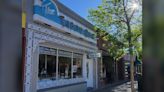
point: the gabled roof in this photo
(65, 10)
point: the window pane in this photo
(42, 70)
(47, 63)
(51, 66)
(77, 66)
(87, 65)
(64, 65)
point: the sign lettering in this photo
(48, 10)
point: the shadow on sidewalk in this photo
(108, 87)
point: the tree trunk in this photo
(131, 57)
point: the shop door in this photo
(89, 68)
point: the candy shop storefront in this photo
(60, 51)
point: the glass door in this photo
(89, 70)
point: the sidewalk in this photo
(118, 87)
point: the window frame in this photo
(57, 62)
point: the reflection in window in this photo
(69, 64)
(42, 67)
(64, 65)
(87, 65)
(77, 65)
(51, 66)
(47, 66)
(47, 63)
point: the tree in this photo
(114, 47)
(122, 19)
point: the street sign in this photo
(127, 57)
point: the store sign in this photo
(99, 55)
(93, 55)
(46, 11)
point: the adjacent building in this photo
(61, 49)
(110, 71)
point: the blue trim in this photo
(49, 11)
(41, 11)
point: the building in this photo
(109, 70)
(61, 49)
(106, 63)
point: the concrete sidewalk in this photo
(124, 87)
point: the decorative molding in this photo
(28, 64)
(52, 33)
(37, 35)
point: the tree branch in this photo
(131, 15)
(137, 37)
(125, 12)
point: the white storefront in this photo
(60, 52)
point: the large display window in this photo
(65, 59)
(57, 64)
(47, 64)
(77, 65)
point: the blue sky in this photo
(81, 7)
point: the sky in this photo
(81, 7)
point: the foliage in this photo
(122, 22)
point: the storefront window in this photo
(47, 64)
(69, 64)
(64, 64)
(77, 65)
(51, 66)
(42, 68)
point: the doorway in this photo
(89, 70)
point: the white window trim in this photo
(47, 83)
(72, 66)
(57, 62)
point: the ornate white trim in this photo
(42, 30)
(28, 64)
(37, 35)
